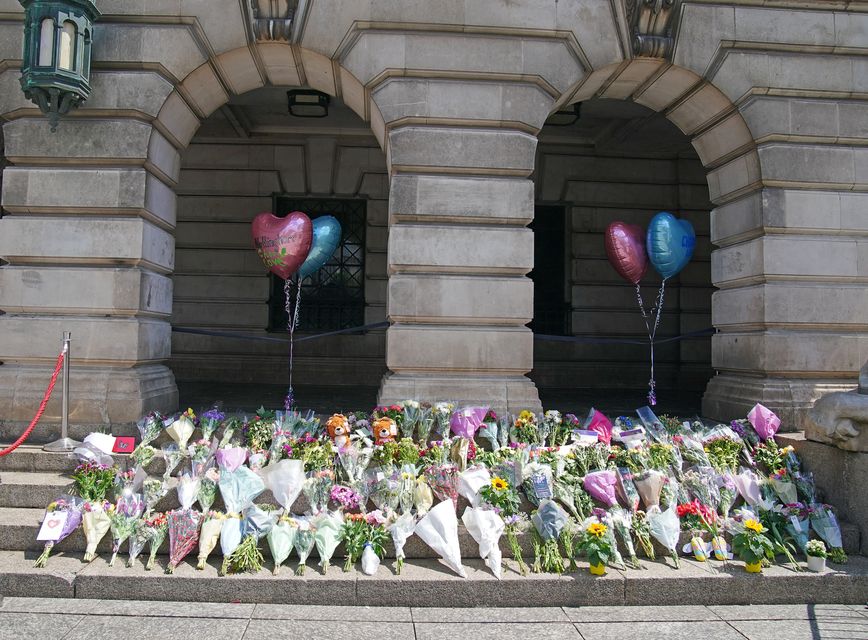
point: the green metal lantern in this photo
(55, 73)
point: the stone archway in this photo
(727, 161)
(355, 362)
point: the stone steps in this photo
(425, 582)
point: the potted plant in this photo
(594, 542)
(752, 546)
(816, 552)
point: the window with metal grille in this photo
(333, 297)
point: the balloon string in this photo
(292, 323)
(654, 312)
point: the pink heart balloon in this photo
(282, 243)
(625, 248)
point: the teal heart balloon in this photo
(669, 243)
(326, 238)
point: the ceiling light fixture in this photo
(308, 103)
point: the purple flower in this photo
(213, 414)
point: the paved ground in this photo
(56, 619)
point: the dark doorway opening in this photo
(551, 309)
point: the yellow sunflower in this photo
(753, 525)
(499, 484)
(597, 529)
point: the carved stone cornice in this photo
(652, 24)
(271, 20)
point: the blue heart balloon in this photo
(326, 238)
(669, 243)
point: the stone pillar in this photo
(459, 252)
(791, 266)
(87, 235)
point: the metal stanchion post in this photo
(65, 443)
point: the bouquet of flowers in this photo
(786, 490)
(728, 493)
(125, 482)
(537, 482)
(601, 486)
(374, 549)
(143, 455)
(210, 421)
(489, 430)
(665, 527)
(327, 535)
(154, 489)
(93, 481)
(514, 525)
(622, 523)
(464, 423)
(304, 543)
(209, 536)
(649, 484)
(150, 427)
(281, 538)
(748, 485)
(764, 421)
(182, 428)
(696, 518)
(443, 480)
(68, 509)
(439, 530)
(239, 489)
(412, 414)
(257, 522)
(824, 522)
(423, 497)
(471, 481)
(401, 529)
(442, 413)
(425, 424)
(200, 453)
(548, 520)
(597, 421)
(406, 488)
(486, 527)
(172, 454)
(208, 489)
(354, 461)
(124, 518)
(183, 523)
(96, 521)
(155, 530)
(642, 531)
(138, 540)
(317, 488)
(798, 523)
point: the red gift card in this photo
(124, 445)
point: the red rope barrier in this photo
(40, 411)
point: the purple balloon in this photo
(625, 248)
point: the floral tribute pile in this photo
(595, 489)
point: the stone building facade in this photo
(452, 123)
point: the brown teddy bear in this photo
(339, 430)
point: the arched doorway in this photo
(253, 155)
(599, 161)
(633, 139)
